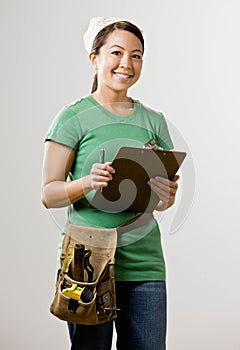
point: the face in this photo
(119, 61)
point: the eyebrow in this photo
(136, 50)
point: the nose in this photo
(126, 62)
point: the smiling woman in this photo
(107, 119)
(118, 64)
(125, 41)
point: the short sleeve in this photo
(163, 135)
(65, 128)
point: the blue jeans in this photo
(140, 325)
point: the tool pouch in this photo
(99, 281)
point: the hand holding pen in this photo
(101, 173)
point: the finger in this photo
(176, 178)
(102, 166)
(164, 197)
(168, 187)
(102, 177)
(108, 167)
(167, 183)
(101, 170)
(162, 193)
(98, 185)
(100, 181)
(162, 190)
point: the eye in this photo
(116, 53)
(136, 56)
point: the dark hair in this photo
(101, 37)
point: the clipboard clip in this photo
(151, 144)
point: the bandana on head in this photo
(95, 26)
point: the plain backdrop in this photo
(191, 73)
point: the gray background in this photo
(191, 73)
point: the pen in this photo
(102, 158)
(102, 155)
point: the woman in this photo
(109, 118)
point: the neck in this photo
(117, 103)
(110, 96)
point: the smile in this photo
(122, 76)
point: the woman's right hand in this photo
(57, 192)
(100, 175)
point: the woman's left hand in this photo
(166, 191)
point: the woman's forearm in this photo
(58, 194)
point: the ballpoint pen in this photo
(102, 155)
(102, 158)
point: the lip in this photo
(124, 76)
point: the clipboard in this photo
(128, 190)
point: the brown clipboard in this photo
(128, 190)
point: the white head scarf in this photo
(95, 26)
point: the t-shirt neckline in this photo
(112, 115)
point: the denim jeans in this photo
(140, 325)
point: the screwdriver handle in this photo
(78, 262)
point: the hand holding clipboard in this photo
(129, 191)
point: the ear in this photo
(93, 59)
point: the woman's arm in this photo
(57, 162)
(166, 191)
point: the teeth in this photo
(122, 75)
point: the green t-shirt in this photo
(86, 126)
